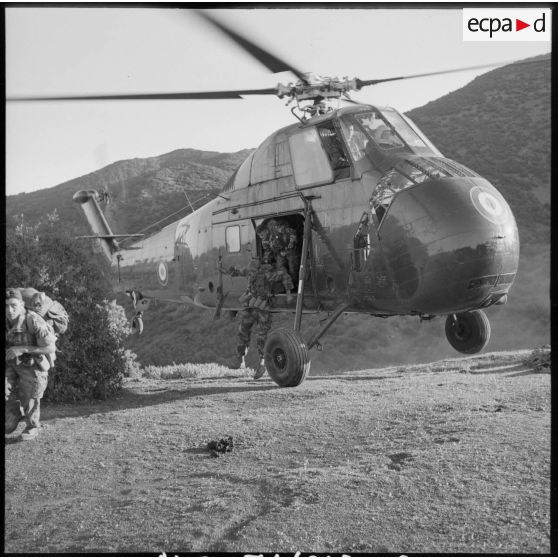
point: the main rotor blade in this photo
(270, 61)
(152, 96)
(363, 83)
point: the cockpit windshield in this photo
(390, 130)
(379, 130)
(403, 129)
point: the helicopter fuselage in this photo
(396, 228)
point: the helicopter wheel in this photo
(136, 325)
(468, 332)
(286, 357)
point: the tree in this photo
(91, 359)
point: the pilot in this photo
(257, 303)
(380, 132)
(29, 339)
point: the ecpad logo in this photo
(506, 24)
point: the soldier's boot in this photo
(32, 408)
(11, 423)
(30, 433)
(260, 370)
(238, 361)
(13, 416)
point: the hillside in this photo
(160, 183)
(444, 458)
(497, 125)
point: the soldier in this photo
(279, 242)
(28, 340)
(264, 235)
(257, 303)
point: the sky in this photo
(88, 49)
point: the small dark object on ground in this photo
(219, 447)
(398, 459)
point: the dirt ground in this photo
(449, 457)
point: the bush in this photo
(91, 358)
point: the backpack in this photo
(58, 317)
(50, 310)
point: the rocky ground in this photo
(448, 457)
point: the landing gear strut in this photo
(136, 324)
(468, 332)
(286, 351)
(140, 306)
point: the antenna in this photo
(188, 200)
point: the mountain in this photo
(498, 125)
(167, 182)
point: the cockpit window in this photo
(403, 129)
(355, 138)
(390, 130)
(310, 162)
(335, 151)
(379, 130)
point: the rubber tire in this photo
(136, 325)
(286, 357)
(470, 334)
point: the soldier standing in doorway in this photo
(279, 243)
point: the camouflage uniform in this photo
(257, 302)
(265, 237)
(279, 242)
(26, 375)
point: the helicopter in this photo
(385, 224)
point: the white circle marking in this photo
(490, 204)
(162, 271)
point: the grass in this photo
(538, 357)
(186, 370)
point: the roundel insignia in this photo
(162, 273)
(489, 206)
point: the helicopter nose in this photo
(451, 245)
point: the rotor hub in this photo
(317, 88)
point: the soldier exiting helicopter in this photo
(257, 303)
(279, 246)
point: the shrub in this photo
(91, 358)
